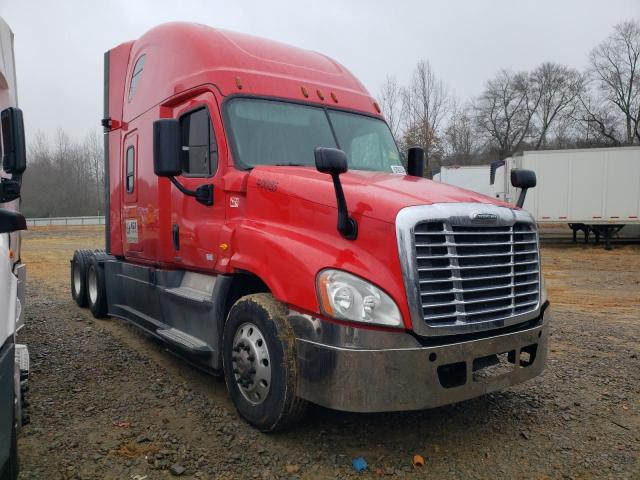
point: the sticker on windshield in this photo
(398, 170)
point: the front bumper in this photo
(359, 370)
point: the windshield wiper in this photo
(290, 164)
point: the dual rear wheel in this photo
(88, 287)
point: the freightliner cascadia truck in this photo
(14, 357)
(262, 224)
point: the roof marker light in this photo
(320, 94)
(238, 83)
(334, 97)
(305, 92)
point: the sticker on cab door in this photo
(398, 170)
(131, 226)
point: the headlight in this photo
(347, 297)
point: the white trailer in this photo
(471, 177)
(14, 358)
(594, 190)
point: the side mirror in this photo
(166, 148)
(11, 221)
(331, 160)
(523, 179)
(334, 162)
(415, 162)
(14, 160)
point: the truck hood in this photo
(374, 194)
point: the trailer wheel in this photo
(260, 363)
(96, 289)
(79, 266)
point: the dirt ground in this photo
(109, 402)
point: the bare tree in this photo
(505, 110)
(391, 105)
(94, 152)
(460, 136)
(615, 74)
(65, 177)
(426, 101)
(558, 88)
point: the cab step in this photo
(185, 341)
(192, 294)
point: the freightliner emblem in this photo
(484, 217)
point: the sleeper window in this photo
(199, 151)
(130, 169)
(135, 76)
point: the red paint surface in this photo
(284, 235)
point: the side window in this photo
(135, 76)
(199, 150)
(130, 177)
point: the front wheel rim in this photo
(251, 363)
(92, 284)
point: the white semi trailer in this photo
(593, 190)
(14, 358)
(470, 177)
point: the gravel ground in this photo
(109, 402)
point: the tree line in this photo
(65, 177)
(550, 107)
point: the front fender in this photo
(288, 256)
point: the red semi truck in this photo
(261, 224)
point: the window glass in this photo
(135, 76)
(267, 132)
(367, 141)
(199, 150)
(130, 169)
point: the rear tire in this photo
(96, 289)
(257, 327)
(78, 270)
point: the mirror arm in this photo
(521, 197)
(202, 194)
(347, 226)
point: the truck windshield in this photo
(268, 132)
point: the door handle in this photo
(175, 233)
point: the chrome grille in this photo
(470, 274)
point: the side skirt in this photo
(182, 309)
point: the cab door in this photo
(195, 227)
(132, 225)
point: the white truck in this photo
(470, 177)
(14, 358)
(594, 190)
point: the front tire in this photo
(96, 289)
(260, 363)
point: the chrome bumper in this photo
(360, 370)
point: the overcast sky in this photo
(59, 44)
